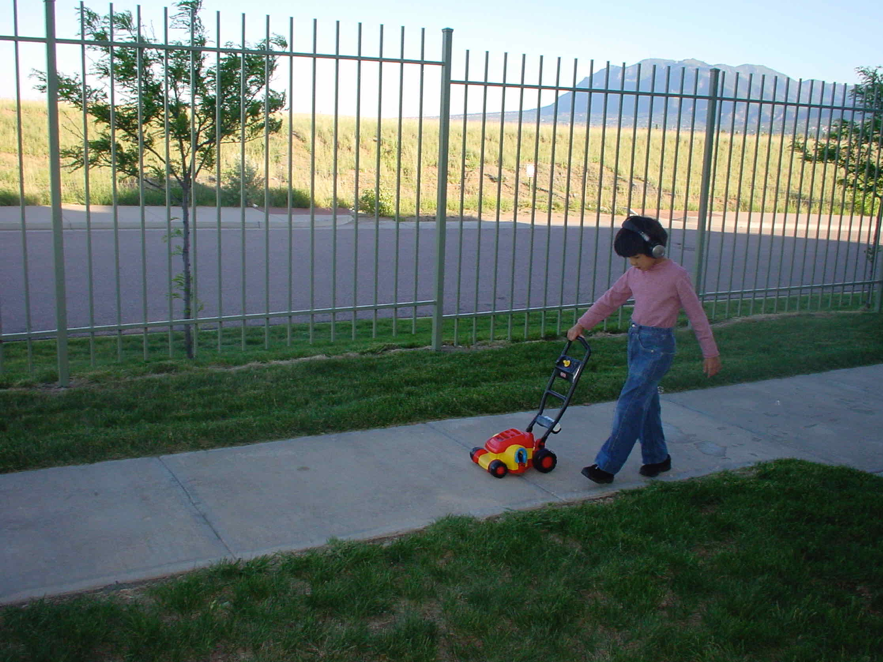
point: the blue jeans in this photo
(638, 415)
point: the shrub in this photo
(382, 205)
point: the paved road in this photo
(264, 265)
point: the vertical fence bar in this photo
(312, 176)
(115, 191)
(480, 203)
(705, 186)
(753, 189)
(833, 198)
(444, 122)
(852, 208)
(876, 283)
(649, 141)
(139, 58)
(776, 202)
(218, 198)
(821, 210)
(242, 203)
(726, 205)
(462, 199)
(693, 110)
(674, 169)
(617, 152)
(516, 196)
(87, 189)
(358, 149)
(334, 174)
(875, 246)
(55, 191)
(266, 148)
(664, 143)
(419, 183)
(533, 198)
(582, 199)
(716, 159)
(634, 138)
(809, 204)
(398, 205)
(377, 166)
(562, 276)
(499, 196)
(289, 200)
(738, 209)
(26, 279)
(604, 110)
(191, 268)
(551, 198)
(763, 197)
(727, 196)
(799, 201)
(168, 178)
(843, 191)
(872, 249)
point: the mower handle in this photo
(551, 424)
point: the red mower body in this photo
(513, 451)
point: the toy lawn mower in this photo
(514, 451)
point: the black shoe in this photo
(653, 470)
(597, 475)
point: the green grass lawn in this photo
(137, 409)
(780, 562)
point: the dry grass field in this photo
(393, 170)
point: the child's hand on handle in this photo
(574, 332)
(712, 366)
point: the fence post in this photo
(444, 126)
(55, 191)
(875, 253)
(705, 188)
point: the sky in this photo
(809, 39)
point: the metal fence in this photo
(402, 194)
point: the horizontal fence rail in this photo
(214, 192)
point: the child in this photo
(660, 288)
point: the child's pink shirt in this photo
(659, 294)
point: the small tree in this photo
(180, 96)
(855, 145)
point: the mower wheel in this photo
(497, 469)
(473, 453)
(545, 460)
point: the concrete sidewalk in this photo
(76, 528)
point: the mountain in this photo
(751, 98)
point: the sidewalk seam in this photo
(197, 508)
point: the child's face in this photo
(644, 262)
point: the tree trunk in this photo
(185, 256)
